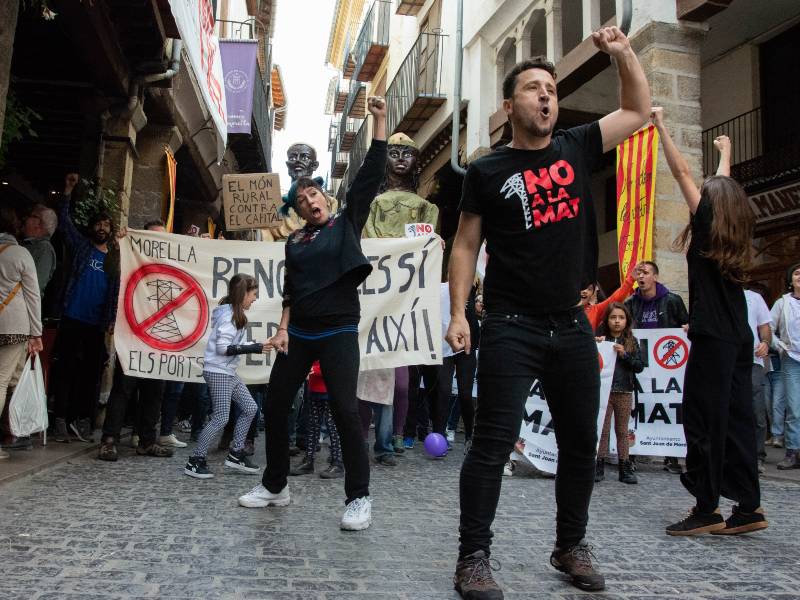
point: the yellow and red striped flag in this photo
(636, 198)
(168, 206)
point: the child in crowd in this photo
(616, 327)
(219, 371)
(319, 409)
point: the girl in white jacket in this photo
(219, 371)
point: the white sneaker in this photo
(259, 497)
(508, 469)
(170, 441)
(134, 441)
(451, 435)
(357, 515)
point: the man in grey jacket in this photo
(37, 229)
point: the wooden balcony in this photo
(372, 43)
(356, 105)
(416, 93)
(409, 7)
(357, 152)
(338, 164)
(333, 134)
(348, 127)
(341, 94)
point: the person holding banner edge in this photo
(718, 419)
(324, 267)
(532, 201)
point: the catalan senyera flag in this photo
(636, 193)
(168, 206)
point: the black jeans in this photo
(560, 350)
(81, 352)
(719, 424)
(338, 357)
(425, 405)
(464, 366)
(123, 390)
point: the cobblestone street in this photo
(139, 528)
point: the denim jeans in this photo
(777, 394)
(760, 409)
(560, 350)
(382, 414)
(791, 383)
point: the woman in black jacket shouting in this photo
(321, 311)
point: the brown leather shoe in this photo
(108, 451)
(154, 450)
(473, 578)
(577, 563)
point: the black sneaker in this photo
(387, 460)
(108, 451)
(599, 470)
(239, 461)
(196, 467)
(743, 522)
(672, 465)
(695, 523)
(304, 468)
(335, 471)
(577, 563)
(626, 474)
(473, 578)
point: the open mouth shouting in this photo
(544, 111)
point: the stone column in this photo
(553, 21)
(8, 27)
(119, 153)
(670, 56)
(149, 172)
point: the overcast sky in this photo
(301, 35)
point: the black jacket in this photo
(626, 368)
(671, 310)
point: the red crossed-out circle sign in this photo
(671, 352)
(191, 290)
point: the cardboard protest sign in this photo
(251, 201)
(171, 283)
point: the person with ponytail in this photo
(321, 311)
(221, 359)
(718, 420)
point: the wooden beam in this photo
(700, 10)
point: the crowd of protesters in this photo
(759, 385)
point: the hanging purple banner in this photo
(239, 72)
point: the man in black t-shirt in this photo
(532, 202)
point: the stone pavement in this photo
(139, 528)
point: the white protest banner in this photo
(195, 21)
(251, 201)
(537, 437)
(656, 427)
(171, 283)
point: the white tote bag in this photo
(27, 412)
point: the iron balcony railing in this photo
(338, 163)
(348, 61)
(235, 30)
(343, 88)
(417, 86)
(747, 143)
(333, 134)
(373, 41)
(357, 152)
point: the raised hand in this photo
(611, 40)
(376, 105)
(657, 116)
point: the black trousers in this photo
(719, 424)
(560, 350)
(425, 405)
(123, 390)
(464, 367)
(80, 352)
(338, 357)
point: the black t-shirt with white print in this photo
(538, 219)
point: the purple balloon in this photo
(435, 445)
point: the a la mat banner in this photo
(656, 424)
(171, 283)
